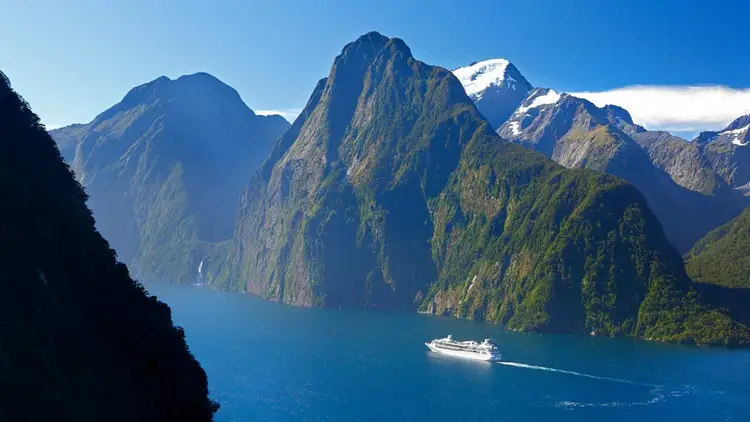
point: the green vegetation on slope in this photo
(391, 190)
(524, 242)
(723, 256)
(80, 340)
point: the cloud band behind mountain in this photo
(288, 113)
(677, 108)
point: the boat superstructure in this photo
(486, 350)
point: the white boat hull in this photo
(464, 355)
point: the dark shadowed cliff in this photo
(79, 339)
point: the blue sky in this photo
(73, 59)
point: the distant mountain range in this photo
(396, 188)
(164, 169)
(689, 185)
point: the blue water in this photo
(271, 362)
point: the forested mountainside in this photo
(80, 340)
(391, 190)
(720, 265)
(723, 256)
(165, 168)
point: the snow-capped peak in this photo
(479, 76)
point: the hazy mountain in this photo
(81, 341)
(496, 87)
(165, 167)
(391, 190)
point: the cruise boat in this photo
(486, 350)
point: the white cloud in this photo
(676, 108)
(288, 113)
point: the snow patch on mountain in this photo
(511, 82)
(479, 76)
(737, 133)
(551, 97)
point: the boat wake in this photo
(657, 396)
(658, 393)
(578, 374)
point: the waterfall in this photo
(200, 273)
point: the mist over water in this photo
(271, 362)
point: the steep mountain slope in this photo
(391, 190)
(496, 87)
(577, 134)
(67, 140)
(728, 151)
(722, 257)
(719, 263)
(165, 167)
(80, 340)
(684, 161)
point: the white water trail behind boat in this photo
(657, 392)
(657, 396)
(577, 374)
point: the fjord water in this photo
(272, 362)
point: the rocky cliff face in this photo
(684, 161)
(81, 341)
(164, 169)
(391, 190)
(728, 152)
(315, 227)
